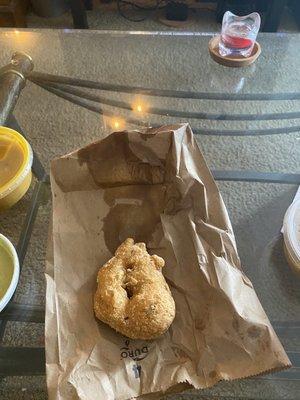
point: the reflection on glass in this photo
(116, 123)
(22, 41)
(139, 106)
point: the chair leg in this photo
(79, 14)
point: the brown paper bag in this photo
(155, 187)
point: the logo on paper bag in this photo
(135, 353)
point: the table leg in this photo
(79, 14)
(12, 81)
(274, 15)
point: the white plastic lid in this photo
(291, 233)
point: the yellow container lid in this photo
(15, 160)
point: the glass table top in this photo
(246, 121)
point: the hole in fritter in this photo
(129, 291)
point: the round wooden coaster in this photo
(232, 61)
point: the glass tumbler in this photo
(238, 34)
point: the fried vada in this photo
(132, 294)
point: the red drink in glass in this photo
(238, 34)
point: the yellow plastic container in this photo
(15, 167)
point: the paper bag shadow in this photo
(134, 212)
(128, 220)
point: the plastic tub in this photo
(15, 167)
(291, 235)
(9, 271)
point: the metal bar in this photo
(29, 220)
(290, 329)
(14, 362)
(295, 359)
(22, 361)
(254, 176)
(247, 132)
(198, 131)
(2, 328)
(287, 324)
(286, 375)
(162, 92)
(23, 313)
(85, 104)
(173, 113)
(37, 167)
(12, 81)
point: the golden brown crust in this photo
(132, 295)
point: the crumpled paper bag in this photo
(153, 186)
